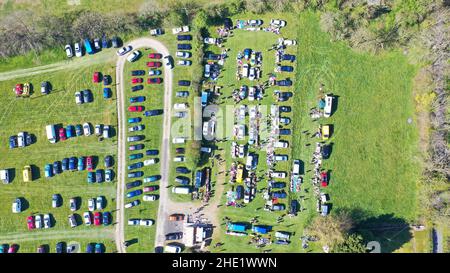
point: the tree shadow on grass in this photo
(389, 231)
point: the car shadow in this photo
(25, 203)
(35, 172)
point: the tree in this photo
(354, 243)
(333, 229)
(174, 18)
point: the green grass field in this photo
(32, 115)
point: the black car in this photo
(227, 23)
(284, 96)
(106, 80)
(56, 167)
(179, 150)
(293, 209)
(65, 164)
(285, 109)
(45, 88)
(239, 192)
(184, 47)
(56, 200)
(182, 170)
(133, 184)
(99, 176)
(137, 72)
(109, 161)
(184, 83)
(183, 180)
(135, 174)
(152, 152)
(174, 236)
(60, 247)
(87, 95)
(326, 151)
(137, 88)
(115, 42)
(184, 37)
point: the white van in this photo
(328, 106)
(181, 190)
(178, 140)
(172, 249)
(249, 164)
(51, 134)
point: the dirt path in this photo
(159, 47)
(85, 61)
(46, 235)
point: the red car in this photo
(97, 218)
(62, 134)
(89, 165)
(18, 89)
(96, 77)
(13, 248)
(135, 109)
(30, 222)
(155, 56)
(154, 80)
(154, 64)
(136, 80)
(150, 188)
(324, 179)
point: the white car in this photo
(285, 120)
(69, 51)
(183, 54)
(72, 221)
(279, 174)
(87, 218)
(172, 249)
(78, 51)
(86, 129)
(150, 161)
(179, 158)
(241, 151)
(178, 140)
(47, 221)
(146, 222)
(106, 131)
(21, 140)
(133, 222)
(328, 106)
(133, 56)
(91, 204)
(180, 106)
(99, 203)
(245, 69)
(281, 144)
(278, 22)
(180, 29)
(184, 62)
(254, 23)
(252, 74)
(124, 50)
(73, 204)
(17, 206)
(168, 62)
(98, 129)
(78, 98)
(324, 197)
(210, 41)
(38, 221)
(149, 197)
(281, 157)
(97, 45)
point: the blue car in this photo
(81, 163)
(184, 83)
(65, 164)
(182, 170)
(12, 142)
(137, 88)
(89, 248)
(279, 194)
(107, 93)
(152, 152)
(277, 185)
(135, 156)
(48, 170)
(184, 37)
(284, 83)
(99, 176)
(134, 120)
(87, 96)
(135, 174)
(152, 178)
(137, 99)
(98, 248)
(91, 177)
(135, 166)
(56, 167)
(73, 163)
(184, 47)
(286, 68)
(70, 131)
(247, 53)
(134, 193)
(152, 113)
(106, 218)
(287, 57)
(133, 184)
(78, 130)
(285, 132)
(137, 72)
(105, 43)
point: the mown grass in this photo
(32, 115)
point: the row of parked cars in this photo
(97, 45)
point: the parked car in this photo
(135, 156)
(152, 152)
(182, 94)
(73, 163)
(97, 218)
(133, 184)
(134, 56)
(137, 88)
(155, 55)
(183, 54)
(91, 177)
(176, 217)
(78, 50)
(182, 170)
(150, 188)
(48, 171)
(132, 204)
(174, 236)
(152, 178)
(56, 201)
(78, 98)
(136, 128)
(69, 52)
(115, 42)
(150, 197)
(134, 120)
(87, 218)
(96, 77)
(285, 109)
(30, 222)
(184, 83)
(184, 37)
(106, 218)
(184, 46)
(45, 87)
(154, 64)
(80, 163)
(136, 147)
(152, 113)
(73, 206)
(154, 72)
(99, 202)
(135, 108)
(134, 193)
(184, 62)
(135, 174)
(99, 176)
(91, 204)
(108, 175)
(154, 80)
(109, 161)
(284, 83)
(285, 132)
(137, 72)
(124, 50)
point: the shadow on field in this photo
(389, 231)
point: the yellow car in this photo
(240, 173)
(27, 175)
(325, 132)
